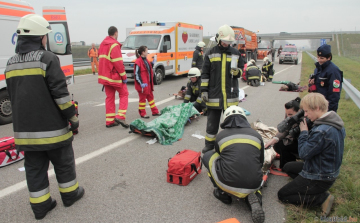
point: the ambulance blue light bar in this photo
(154, 23)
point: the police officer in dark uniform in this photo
(219, 81)
(193, 90)
(235, 167)
(327, 77)
(198, 57)
(42, 110)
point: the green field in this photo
(347, 186)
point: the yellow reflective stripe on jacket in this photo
(223, 78)
(108, 56)
(43, 141)
(232, 103)
(233, 141)
(123, 73)
(25, 72)
(215, 59)
(65, 105)
(204, 84)
(110, 80)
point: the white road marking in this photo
(137, 99)
(22, 185)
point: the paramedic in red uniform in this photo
(42, 110)
(144, 82)
(93, 54)
(112, 75)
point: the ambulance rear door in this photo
(59, 39)
(187, 38)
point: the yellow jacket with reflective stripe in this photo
(216, 79)
(111, 66)
(41, 104)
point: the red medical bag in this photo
(8, 153)
(183, 167)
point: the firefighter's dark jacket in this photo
(198, 59)
(241, 152)
(216, 79)
(193, 92)
(253, 72)
(41, 104)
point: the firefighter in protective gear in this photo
(193, 90)
(93, 54)
(144, 82)
(235, 167)
(253, 74)
(112, 75)
(220, 82)
(198, 57)
(42, 110)
(268, 69)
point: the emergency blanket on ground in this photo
(169, 127)
(266, 133)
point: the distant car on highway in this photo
(289, 54)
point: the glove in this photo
(143, 85)
(205, 96)
(234, 72)
(74, 121)
(125, 81)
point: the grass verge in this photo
(83, 71)
(347, 186)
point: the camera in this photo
(288, 123)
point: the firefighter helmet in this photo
(266, 59)
(33, 25)
(233, 110)
(201, 44)
(250, 63)
(194, 72)
(225, 34)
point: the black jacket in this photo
(253, 72)
(216, 78)
(198, 58)
(193, 92)
(40, 100)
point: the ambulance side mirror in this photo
(164, 49)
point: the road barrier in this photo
(350, 90)
(81, 62)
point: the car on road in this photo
(289, 54)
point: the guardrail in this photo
(80, 62)
(350, 90)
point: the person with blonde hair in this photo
(322, 149)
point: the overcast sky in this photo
(89, 20)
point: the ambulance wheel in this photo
(5, 108)
(280, 62)
(159, 75)
(296, 62)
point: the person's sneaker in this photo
(145, 116)
(222, 196)
(80, 194)
(112, 125)
(158, 114)
(42, 215)
(122, 122)
(326, 206)
(207, 148)
(257, 213)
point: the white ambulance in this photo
(58, 42)
(173, 43)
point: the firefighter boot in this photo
(122, 122)
(41, 215)
(207, 148)
(254, 202)
(222, 196)
(75, 196)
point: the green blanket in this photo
(169, 127)
(280, 82)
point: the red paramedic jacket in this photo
(111, 66)
(144, 76)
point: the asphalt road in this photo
(125, 178)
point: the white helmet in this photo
(226, 34)
(233, 110)
(253, 61)
(201, 44)
(194, 72)
(33, 25)
(250, 63)
(266, 59)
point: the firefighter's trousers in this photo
(110, 103)
(94, 62)
(142, 103)
(212, 126)
(36, 167)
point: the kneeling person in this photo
(235, 166)
(253, 74)
(193, 93)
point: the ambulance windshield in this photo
(135, 41)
